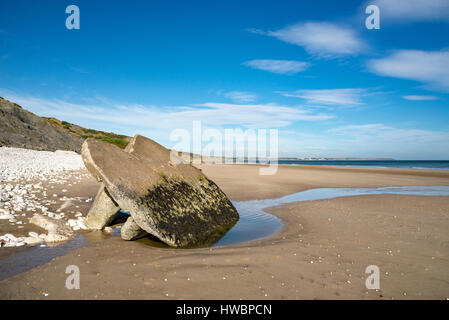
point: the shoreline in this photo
(365, 167)
(278, 266)
(331, 164)
(252, 186)
(330, 167)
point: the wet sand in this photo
(321, 253)
(243, 182)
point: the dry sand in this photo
(321, 253)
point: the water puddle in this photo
(254, 224)
(37, 256)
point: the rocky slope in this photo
(23, 129)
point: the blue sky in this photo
(310, 69)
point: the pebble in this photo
(17, 164)
(108, 230)
(18, 196)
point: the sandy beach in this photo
(320, 253)
(224, 150)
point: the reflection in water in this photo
(254, 224)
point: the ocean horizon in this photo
(403, 164)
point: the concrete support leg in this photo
(131, 231)
(103, 211)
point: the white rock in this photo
(18, 164)
(108, 230)
(33, 240)
(6, 217)
(10, 244)
(17, 195)
(57, 230)
(10, 237)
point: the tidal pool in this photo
(255, 223)
(37, 256)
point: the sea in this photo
(404, 164)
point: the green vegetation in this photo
(120, 141)
(90, 131)
(112, 138)
(67, 127)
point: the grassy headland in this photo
(119, 140)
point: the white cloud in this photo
(343, 97)
(240, 96)
(420, 98)
(429, 67)
(253, 115)
(385, 141)
(359, 129)
(391, 134)
(278, 66)
(413, 10)
(137, 117)
(321, 38)
(253, 30)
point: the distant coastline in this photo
(339, 162)
(373, 163)
(335, 159)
